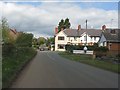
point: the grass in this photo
(12, 64)
(88, 59)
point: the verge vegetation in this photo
(88, 59)
(17, 51)
(14, 62)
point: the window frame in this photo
(61, 38)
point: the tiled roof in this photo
(112, 37)
(75, 32)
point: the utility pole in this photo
(86, 32)
(85, 48)
(111, 22)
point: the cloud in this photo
(42, 19)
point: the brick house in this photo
(13, 33)
(110, 38)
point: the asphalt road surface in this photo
(49, 70)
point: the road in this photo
(49, 70)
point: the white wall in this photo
(102, 41)
(89, 40)
(72, 40)
(60, 41)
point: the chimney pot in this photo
(79, 27)
(104, 27)
(56, 30)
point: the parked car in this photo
(41, 48)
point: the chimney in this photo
(104, 27)
(56, 30)
(79, 27)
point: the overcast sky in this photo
(40, 18)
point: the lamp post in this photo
(85, 48)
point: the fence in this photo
(82, 52)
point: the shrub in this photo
(69, 48)
(101, 49)
(7, 49)
(24, 40)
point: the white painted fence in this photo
(82, 52)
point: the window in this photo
(61, 46)
(69, 38)
(75, 38)
(91, 38)
(112, 31)
(94, 38)
(60, 38)
(84, 38)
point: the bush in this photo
(7, 49)
(24, 40)
(70, 48)
(12, 64)
(101, 49)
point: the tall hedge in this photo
(70, 48)
(24, 40)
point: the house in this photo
(10, 35)
(13, 33)
(110, 38)
(77, 36)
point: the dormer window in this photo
(112, 31)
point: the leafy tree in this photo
(5, 30)
(24, 40)
(34, 41)
(65, 24)
(50, 40)
(41, 40)
(61, 25)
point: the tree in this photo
(34, 41)
(24, 40)
(67, 23)
(50, 40)
(5, 30)
(64, 24)
(41, 40)
(60, 25)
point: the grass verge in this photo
(88, 59)
(12, 64)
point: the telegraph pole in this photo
(86, 32)
(85, 48)
(111, 22)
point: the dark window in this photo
(75, 38)
(95, 38)
(85, 39)
(60, 38)
(112, 31)
(61, 46)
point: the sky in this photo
(41, 17)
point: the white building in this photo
(76, 37)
